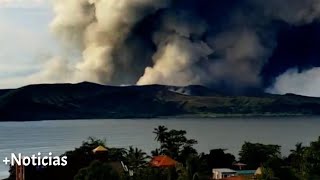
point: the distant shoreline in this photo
(186, 116)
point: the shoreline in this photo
(183, 116)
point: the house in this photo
(163, 161)
(223, 173)
(235, 178)
(240, 165)
(246, 173)
(99, 149)
(229, 174)
(258, 172)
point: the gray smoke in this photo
(303, 83)
(99, 28)
(176, 58)
(291, 11)
(175, 42)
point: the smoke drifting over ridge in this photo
(215, 43)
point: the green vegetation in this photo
(93, 101)
(302, 164)
(254, 154)
(97, 170)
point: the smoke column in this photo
(176, 42)
(99, 28)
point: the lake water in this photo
(227, 133)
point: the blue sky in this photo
(25, 40)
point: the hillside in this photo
(88, 101)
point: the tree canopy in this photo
(303, 163)
(255, 154)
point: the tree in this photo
(174, 143)
(136, 158)
(161, 132)
(279, 169)
(188, 150)
(254, 155)
(193, 167)
(296, 158)
(156, 152)
(267, 174)
(117, 154)
(183, 173)
(147, 174)
(217, 158)
(77, 159)
(97, 171)
(298, 151)
(311, 161)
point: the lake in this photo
(227, 133)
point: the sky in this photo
(274, 47)
(25, 40)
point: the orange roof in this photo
(235, 178)
(163, 161)
(99, 149)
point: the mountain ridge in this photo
(94, 101)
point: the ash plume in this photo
(99, 28)
(303, 83)
(176, 42)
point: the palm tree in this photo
(161, 133)
(136, 158)
(117, 154)
(297, 156)
(299, 149)
(156, 152)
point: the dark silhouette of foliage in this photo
(97, 171)
(302, 164)
(255, 154)
(311, 161)
(217, 158)
(174, 143)
(135, 158)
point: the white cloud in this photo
(303, 83)
(55, 70)
(25, 42)
(21, 3)
(22, 41)
(10, 32)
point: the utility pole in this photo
(20, 172)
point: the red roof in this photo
(239, 164)
(235, 178)
(163, 161)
